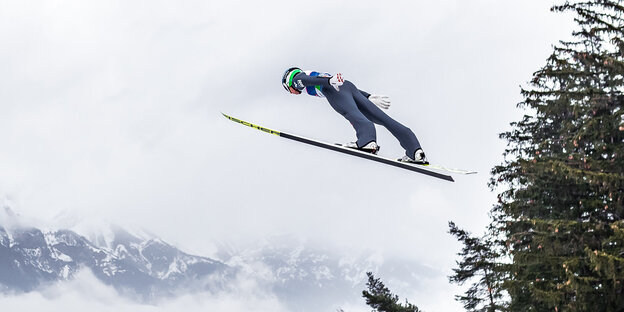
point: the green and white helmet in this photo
(287, 80)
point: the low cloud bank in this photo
(87, 292)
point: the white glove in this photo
(336, 81)
(383, 101)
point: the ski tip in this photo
(465, 172)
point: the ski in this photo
(437, 167)
(450, 170)
(424, 169)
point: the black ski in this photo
(346, 150)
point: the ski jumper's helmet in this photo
(287, 80)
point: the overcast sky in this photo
(111, 109)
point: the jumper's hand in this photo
(336, 81)
(383, 101)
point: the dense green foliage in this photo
(559, 220)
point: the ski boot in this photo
(419, 158)
(371, 147)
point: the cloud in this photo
(87, 291)
(111, 108)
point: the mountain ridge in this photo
(148, 269)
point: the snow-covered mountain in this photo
(145, 268)
(320, 278)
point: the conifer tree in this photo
(562, 206)
(478, 265)
(379, 297)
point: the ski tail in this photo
(248, 124)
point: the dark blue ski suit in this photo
(354, 105)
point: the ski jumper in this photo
(354, 105)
